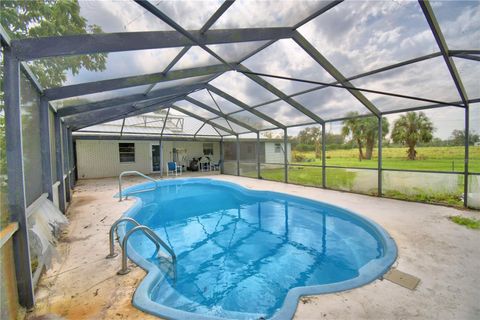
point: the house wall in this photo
(273, 157)
(193, 149)
(100, 158)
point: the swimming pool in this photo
(244, 254)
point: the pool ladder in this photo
(133, 192)
(149, 233)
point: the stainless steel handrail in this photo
(113, 228)
(155, 239)
(137, 173)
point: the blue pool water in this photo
(244, 254)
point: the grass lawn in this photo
(431, 188)
(428, 158)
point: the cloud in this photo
(358, 37)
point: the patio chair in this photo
(216, 166)
(173, 168)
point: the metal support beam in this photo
(59, 162)
(140, 98)
(285, 154)
(222, 156)
(117, 113)
(324, 153)
(280, 94)
(238, 155)
(189, 35)
(225, 5)
(380, 164)
(71, 157)
(467, 146)
(257, 155)
(65, 163)
(45, 147)
(193, 115)
(466, 56)
(334, 72)
(352, 88)
(126, 82)
(442, 44)
(322, 10)
(126, 113)
(160, 147)
(220, 114)
(37, 48)
(16, 181)
(244, 106)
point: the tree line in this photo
(410, 130)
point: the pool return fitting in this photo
(149, 233)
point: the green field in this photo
(424, 187)
(428, 158)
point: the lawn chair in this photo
(216, 166)
(174, 169)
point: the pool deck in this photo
(82, 284)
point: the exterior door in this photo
(155, 158)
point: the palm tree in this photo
(353, 126)
(410, 129)
(365, 132)
(370, 133)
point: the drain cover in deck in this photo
(401, 278)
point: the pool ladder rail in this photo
(133, 192)
(149, 233)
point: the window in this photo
(208, 149)
(278, 148)
(127, 152)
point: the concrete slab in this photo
(83, 285)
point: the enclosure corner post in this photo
(59, 162)
(285, 154)
(16, 179)
(238, 155)
(380, 146)
(324, 149)
(467, 141)
(45, 147)
(257, 155)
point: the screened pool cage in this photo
(240, 73)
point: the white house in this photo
(98, 158)
(134, 144)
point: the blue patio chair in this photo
(216, 166)
(173, 168)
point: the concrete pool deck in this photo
(82, 284)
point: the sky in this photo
(355, 36)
